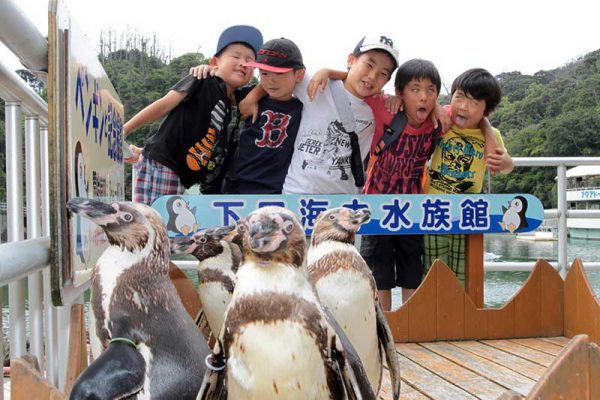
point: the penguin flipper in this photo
(386, 340)
(202, 324)
(504, 210)
(349, 365)
(117, 373)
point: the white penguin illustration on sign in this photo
(182, 218)
(514, 217)
(82, 226)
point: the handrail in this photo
(555, 161)
(13, 88)
(19, 259)
(22, 37)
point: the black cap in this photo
(278, 55)
(244, 34)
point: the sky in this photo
(501, 36)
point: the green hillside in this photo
(552, 113)
(548, 114)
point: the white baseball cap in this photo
(374, 42)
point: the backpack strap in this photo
(342, 105)
(390, 134)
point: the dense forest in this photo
(548, 114)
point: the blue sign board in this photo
(390, 214)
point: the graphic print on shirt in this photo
(200, 155)
(455, 174)
(274, 130)
(399, 169)
(330, 152)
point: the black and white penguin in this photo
(182, 218)
(152, 349)
(219, 259)
(277, 341)
(346, 286)
(514, 217)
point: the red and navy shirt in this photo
(400, 168)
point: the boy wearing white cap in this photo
(323, 154)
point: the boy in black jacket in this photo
(190, 145)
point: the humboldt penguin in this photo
(219, 259)
(514, 217)
(152, 349)
(346, 286)
(277, 341)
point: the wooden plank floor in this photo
(482, 369)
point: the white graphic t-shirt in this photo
(321, 160)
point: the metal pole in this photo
(562, 220)
(51, 341)
(14, 205)
(22, 37)
(34, 230)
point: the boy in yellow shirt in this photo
(459, 160)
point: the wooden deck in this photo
(483, 369)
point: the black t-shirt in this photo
(192, 139)
(265, 148)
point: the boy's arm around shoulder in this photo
(320, 80)
(496, 154)
(249, 106)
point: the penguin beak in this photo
(264, 234)
(351, 220)
(360, 216)
(220, 232)
(89, 208)
(181, 245)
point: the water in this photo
(499, 287)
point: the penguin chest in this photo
(511, 217)
(278, 360)
(110, 267)
(350, 298)
(185, 221)
(215, 298)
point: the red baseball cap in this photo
(278, 55)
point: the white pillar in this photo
(562, 220)
(14, 213)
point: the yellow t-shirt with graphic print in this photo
(457, 163)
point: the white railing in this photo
(20, 259)
(561, 212)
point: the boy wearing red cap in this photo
(266, 145)
(190, 145)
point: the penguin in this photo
(514, 217)
(182, 219)
(277, 341)
(219, 259)
(152, 349)
(346, 286)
